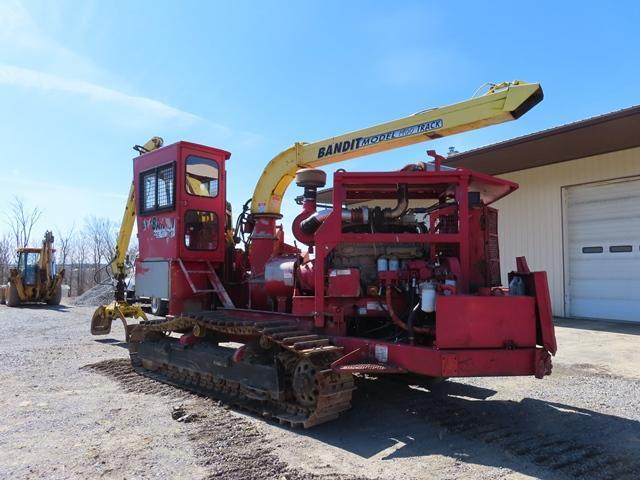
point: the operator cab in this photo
(28, 259)
(182, 218)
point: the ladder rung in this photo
(311, 343)
(328, 348)
(289, 334)
(273, 323)
(300, 338)
(276, 329)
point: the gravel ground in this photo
(72, 408)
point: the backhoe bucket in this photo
(106, 314)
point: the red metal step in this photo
(214, 280)
(369, 368)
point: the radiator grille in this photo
(492, 247)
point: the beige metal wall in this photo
(530, 221)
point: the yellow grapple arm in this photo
(119, 308)
(118, 265)
(503, 102)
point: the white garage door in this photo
(602, 261)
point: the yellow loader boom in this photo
(503, 102)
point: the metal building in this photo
(577, 212)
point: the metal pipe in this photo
(310, 224)
(402, 205)
(313, 222)
(410, 320)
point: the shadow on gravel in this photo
(112, 341)
(627, 328)
(43, 306)
(391, 420)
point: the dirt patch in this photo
(241, 453)
(226, 445)
(120, 370)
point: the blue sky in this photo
(82, 81)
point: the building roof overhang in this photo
(606, 133)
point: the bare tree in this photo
(80, 254)
(102, 234)
(133, 251)
(7, 256)
(64, 241)
(110, 239)
(22, 220)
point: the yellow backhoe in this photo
(35, 279)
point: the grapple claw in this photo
(105, 314)
(100, 323)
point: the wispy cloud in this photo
(24, 42)
(31, 59)
(28, 78)
(23, 183)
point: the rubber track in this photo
(335, 389)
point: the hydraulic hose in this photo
(395, 319)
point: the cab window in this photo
(157, 187)
(201, 177)
(28, 266)
(200, 230)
